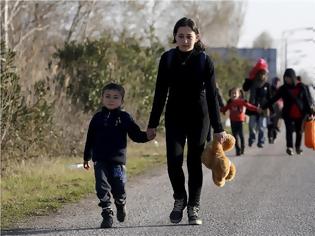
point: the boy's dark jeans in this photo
(237, 131)
(293, 126)
(110, 178)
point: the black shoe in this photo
(177, 212)
(121, 212)
(238, 153)
(299, 151)
(290, 151)
(242, 151)
(107, 215)
(260, 145)
(193, 215)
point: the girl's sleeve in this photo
(134, 131)
(250, 106)
(212, 97)
(89, 140)
(224, 108)
(160, 94)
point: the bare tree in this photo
(34, 29)
(264, 40)
(220, 22)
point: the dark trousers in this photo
(237, 131)
(176, 134)
(293, 126)
(110, 179)
(209, 135)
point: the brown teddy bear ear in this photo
(229, 142)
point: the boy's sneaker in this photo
(299, 151)
(121, 212)
(177, 213)
(193, 215)
(107, 215)
(290, 151)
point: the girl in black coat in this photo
(190, 95)
(296, 106)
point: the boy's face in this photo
(111, 99)
(186, 38)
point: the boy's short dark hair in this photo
(114, 86)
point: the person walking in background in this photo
(259, 93)
(191, 100)
(275, 114)
(296, 106)
(236, 106)
(106, 145)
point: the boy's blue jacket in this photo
(107, 136)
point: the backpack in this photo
(202, 55)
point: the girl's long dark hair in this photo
(199, 46)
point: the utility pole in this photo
(285, 37)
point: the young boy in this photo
(236, 105)
(106, 144)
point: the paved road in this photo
(273, 194)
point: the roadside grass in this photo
(41, 187)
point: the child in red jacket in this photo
(236, 105)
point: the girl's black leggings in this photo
(237, 131)
(177, 133)
(293, 126)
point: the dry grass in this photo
(41, 187)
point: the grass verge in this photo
(41, 187)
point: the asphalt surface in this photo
(272, 194)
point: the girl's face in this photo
(111, 99)
(186, 38)
(288, 80)
(235, 94)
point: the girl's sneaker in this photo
(193, 215)
(177, 213)
(299, 151)
(290, 151)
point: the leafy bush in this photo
(85, 68)
(25, 126)
(230, 71)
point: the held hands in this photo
(86, 165)
(151, 133)
(220, 137)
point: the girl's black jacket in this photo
(107, 136)
(302, 100)
(190, 91)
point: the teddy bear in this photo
(214, 158)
